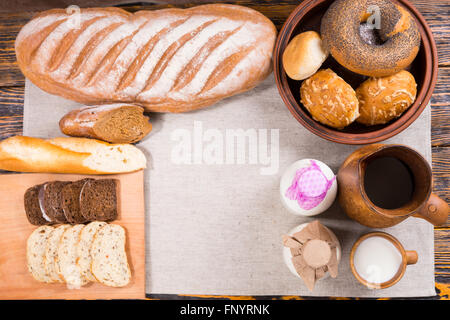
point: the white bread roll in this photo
(69, 155)
(304, 55)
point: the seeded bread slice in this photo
(33, 208)
(109, 259)
(98, 200)
(36, 245)
(84, 248)
(67, 257)
(52, 200)
(51, 253)
(70, 201)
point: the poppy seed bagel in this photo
(398, 30)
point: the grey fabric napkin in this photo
(214, 219)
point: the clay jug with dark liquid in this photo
(381, 185)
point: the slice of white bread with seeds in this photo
(84, 248)
(69, 155)
(51, 253)
(109, 259)
(36, 245)
(67, 257)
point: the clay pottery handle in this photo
(434, 211)
(411, 257)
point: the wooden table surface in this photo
(436, 12)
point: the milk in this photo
(377, 260)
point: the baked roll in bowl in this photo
(307, 17)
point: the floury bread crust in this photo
(171, 60)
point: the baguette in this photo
(69, 155)
(171, 60)
(115, 123)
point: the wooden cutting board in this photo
(15, 280)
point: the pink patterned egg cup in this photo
(308, 187)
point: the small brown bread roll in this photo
(329, 99)
(386, 98)
(304, 55)
(115, 123)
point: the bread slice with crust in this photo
(33, 208)
(36, 245)
(109, 258)
(70, 201)
(67, 257)
(51, 253)
(51, 202)
(98, 200)
(84, 248)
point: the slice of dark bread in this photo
(98, 200)
(51, 200)
(33, 208)
(70, 201)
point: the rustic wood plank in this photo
(436, 14)
(441, 177)
(11, 111)
(440, 111)
(10, 25)
(442, 255)
(434, 11)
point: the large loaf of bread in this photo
(170, 60)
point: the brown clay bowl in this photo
(307, 16)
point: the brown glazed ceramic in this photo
(357, 205)
(307, 16)
(408, 257)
